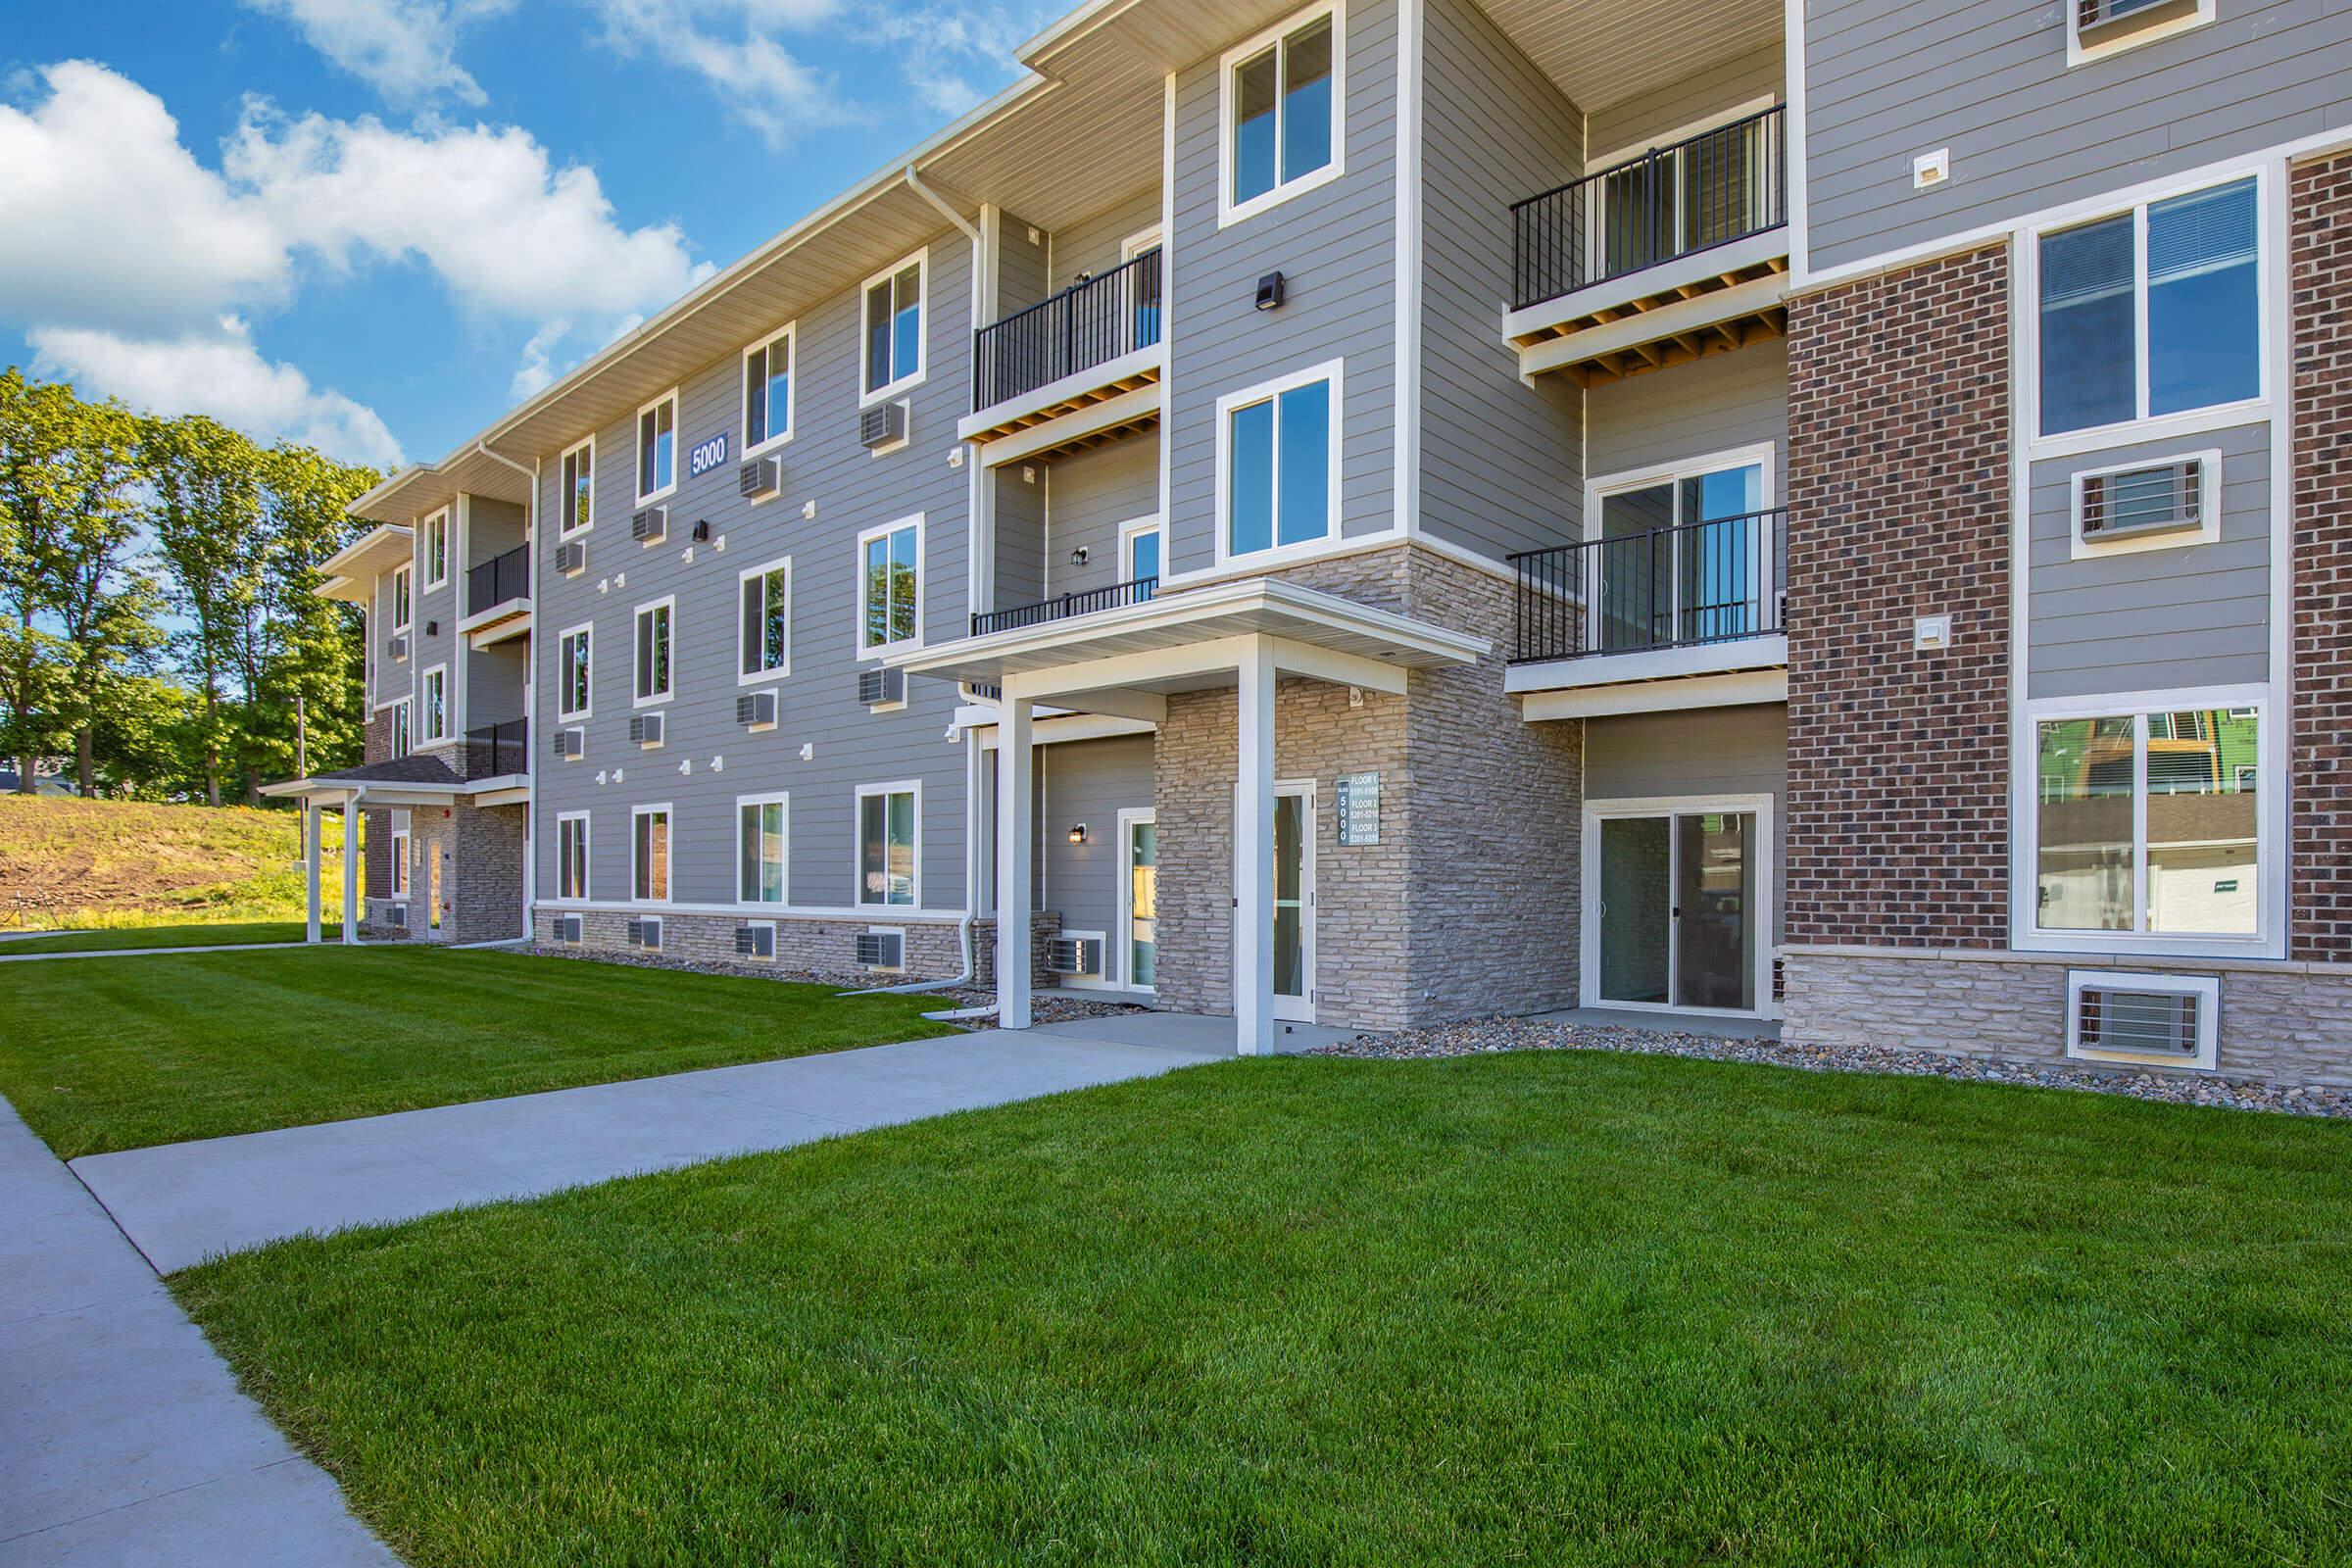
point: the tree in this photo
(205, 510)
(298, 645)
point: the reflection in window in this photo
(892, 584)
(1282, 112)
(886, 847)
(1279, 486)
(2149, 823)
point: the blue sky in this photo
(375, 225)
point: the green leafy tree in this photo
(301, 653)
(204, 508)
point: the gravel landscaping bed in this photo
(1487, 1034)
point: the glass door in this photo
(1677, 913)
(1680, 560)
(1140, 915)
(1295, 903)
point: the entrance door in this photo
(1139, 896)
(1677, 913)
(1294, 901)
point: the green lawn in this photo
(1540, 1308)
(167, 936)
(120, 1053)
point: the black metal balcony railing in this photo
(1092, 320)
(1716, 187)
(1697, 582)
(497, 581)
(1117, 594)
(493, 751)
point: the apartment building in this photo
(1390, 511)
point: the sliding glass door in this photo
(1678, 910)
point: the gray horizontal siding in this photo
(1727, 400)
(1022, 272)
(492, 528)
(1092, 245)
(1020, 575)
(1087, 499)
(1706, 751)
(2193, 615)
(1087, 782)
(1886, 79)
(1652, 119)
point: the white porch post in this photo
(351, 870)
(1015, 808)
(314, 831)
(1253, 856)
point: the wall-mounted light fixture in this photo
(702, 529)
(1078, 834)
(1078, 557)
(1269, 291)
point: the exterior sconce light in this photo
(1078, 834)
(1269, 291)
(1078, 557)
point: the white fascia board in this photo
(1660, 663)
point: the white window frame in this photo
(403, 835)
(788, 334)
(637, 622)
(1229, 211)
(857, 899)
(2080, 53)
(565, 528)
(776, 798)
(564, 823)
(1763, 455)
(1133, 529)
(1232, 402)
(2143, 426)
(2207, 988)
(670, 826)
(404, 726)
(920, 261)
(587, 630)
(1766, 852)
(424, 681)
(677, 447)
(404, 598)
(1130, 819)
(922, 575)
(2027, 935)
(2209, 508)
(781, 564)
(435, 527)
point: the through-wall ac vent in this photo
(650, 526)
(2140, 503)
(398, 916)
(1074, 956)
(645, 729)
(2101, 20)
(646, 933)
(571, 743)
(756, 940)
(756, 709)
(760, 479)
(882, 949)
(571, 560)
(879, 685)
(397, 647)
(2150, 1018)
(568, 929)
(883, 425)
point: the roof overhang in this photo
(424, 488)
(350, 572)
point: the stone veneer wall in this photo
(376, 871)
(812, 946)
(488, 896)
(2320, 887)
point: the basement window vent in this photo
(756, 940)
(568, 929)
(882, 949)
(2151, 1019)
(646, 933)
(1079, 956)
(2173, 501)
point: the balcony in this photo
(1681, 617)
(1662, 258)
(1116, 596)
(498, 596)
(1072, 371)
(498, 751)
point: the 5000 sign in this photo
(709, 455)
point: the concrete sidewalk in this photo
(123, 1436)
(182, 1202)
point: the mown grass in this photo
(1544, 1308)
(123, 1053)
(116, 938)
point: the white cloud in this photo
(942, 49)
(404, 49)
(221, 373)
(537, 368)
(730, 45)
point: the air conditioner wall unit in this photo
(398, 916)
(650, 525)
(756, 709)
(645, 932)
(571, 560)
(645, 729)
(882, 949)
(571, 743)
(881, 684)
(397, 647)
(1074, 956)
(884, 426)
(756, 939)
(567, 928)
(2146, 502)
(761, 479)
(2154, 1020)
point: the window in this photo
(1139, 554)
(401, 838)
(657, 448)
(1680, 553)
(403, 602)
(1282, 114)
(1281, 463)
(2147, 822)
(648, 854)
(886, 845)
(573, 693)
(763, 617)
(890, 585)
(436, 549)
(403, 733)
(571, 856)
(760, 849)
(768, 392)
(2098, 29)
(433, 694)
(653, 652)
(576, 499)
(894, 327)
(2152, 312)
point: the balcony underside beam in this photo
(1714, 322)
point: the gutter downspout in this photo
(530, 688)
(971, 230)
(971, 899)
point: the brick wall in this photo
(1898, 507)
(2321, 286)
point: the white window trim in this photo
(424, 549)
(2207, 988)
(922, 578)
(401, 839)
(789, 333)
(1142, 240)
(404, 726)
(669, 881)
(2143, 426)
(1331, 370)
(425, 678)
(1599, 162)
(921, 262)
(1764, 455)
(2027, 935)
(857, 899)
(2079, 53)
(677, 447)
(564, 819)
(563, 685)
(2209, 508)
(407, 570)
(777, 798)
(1767, 847)
(761, 677)
(1230, 212)
(636, 635)
(1130, 817)
(1128, 533)
(565, 527)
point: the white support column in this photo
(1253, 858)
(351, 870)
(313, 832)
(1015, 847)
